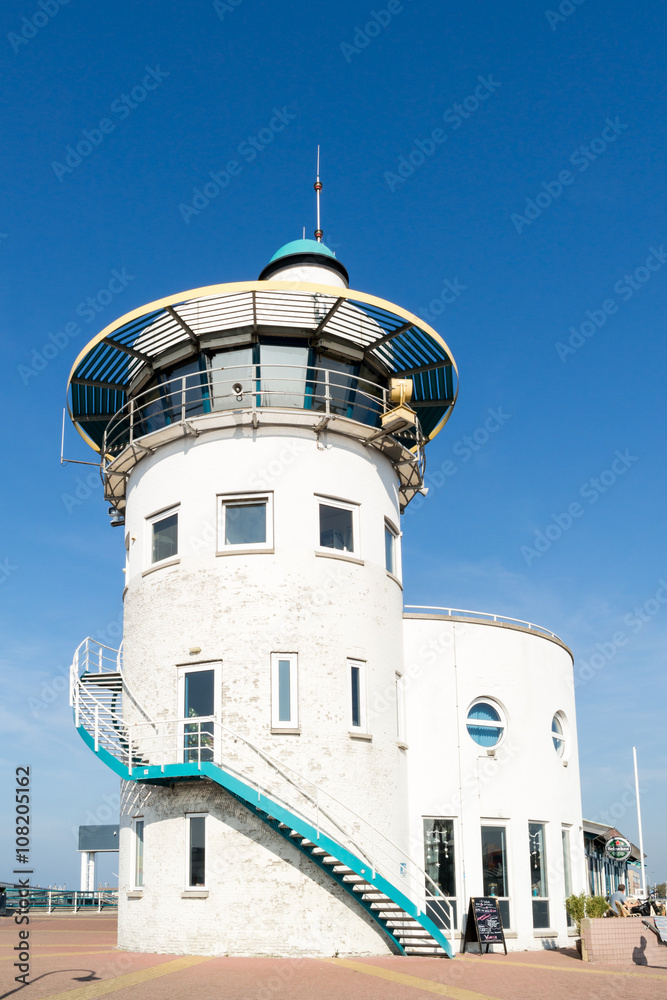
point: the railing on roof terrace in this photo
(250, 387)
(482, 615)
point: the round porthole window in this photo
(485, 724)
(558, 733)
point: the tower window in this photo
(163, 536)
(338, 526)
(391, 554)
(138, 871)
(245, 523)
(196, 850)
(284, 692)
(357, 693)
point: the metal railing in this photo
(250, 387)
(197, 741)
(482, 615)
(51, 900)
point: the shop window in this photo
(538, 875)
(494, 868)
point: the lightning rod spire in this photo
(318, 187)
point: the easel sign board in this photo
(484, 924)
(661, 927)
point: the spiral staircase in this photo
(383, 881)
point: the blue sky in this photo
(497, 168)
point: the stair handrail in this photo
(128, 746)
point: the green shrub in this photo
(576, 908)
(596, 906)
(582, 906)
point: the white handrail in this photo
(163, 742)
(487, 615)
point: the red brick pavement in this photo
(75, 955)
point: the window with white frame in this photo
(494, 868)
(356, 670)
(195, 850)
(245, 522)
(440, 867)
(284, 691)
(538, 875)
(391, 558)
(338, 526)
(163, 535)
(558, 733)
(138, 859)
(485, 723)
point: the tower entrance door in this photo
(198, 697)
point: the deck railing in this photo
(250, 387)
(429, 609)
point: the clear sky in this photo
(498, 168)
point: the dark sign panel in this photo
(484, 924)
(98, 838)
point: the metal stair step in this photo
(282, 826)
(307, 843)
(391, 909)
(406, 924)
(363, 887)
(353, 877)
(379, 897)
(330, 861)
(343, 870)
(318, 850)
(423, 950)
(414, 935)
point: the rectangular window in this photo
(390, 546)
(163, 536)
(284, 691)
(138, 853)
(357, 682)
(198, 698)
(567, 868)
(440, 866)
(494, 868)
(338, 526)
(400, 708)
(538, 875)
(245, 522)
(196, 850)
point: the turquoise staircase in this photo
(374, 872)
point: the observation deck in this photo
(261, 353)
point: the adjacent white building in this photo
(308, 767)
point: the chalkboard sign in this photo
(484, 923)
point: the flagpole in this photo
(639, 823)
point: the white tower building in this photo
(259, 442)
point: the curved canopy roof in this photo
(155, 336)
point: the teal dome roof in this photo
(302, 246)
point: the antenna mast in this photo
(318, 187)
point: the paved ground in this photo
(74, 958)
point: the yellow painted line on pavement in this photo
(565, 968)
(443, 989)
(61, 954)
(124, 982)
